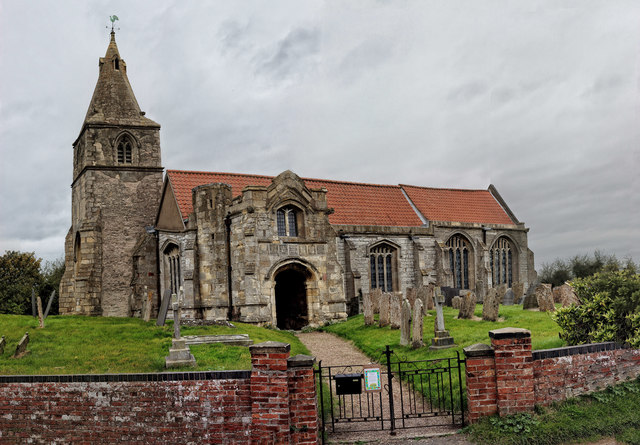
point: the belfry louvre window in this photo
(124, 151)
(287, 221)
(458, 248)
(501, 262)
(383, 267)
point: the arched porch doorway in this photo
(291, 297)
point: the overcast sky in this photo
(539, 98)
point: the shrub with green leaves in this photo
(609, 310)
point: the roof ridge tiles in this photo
(443, 188)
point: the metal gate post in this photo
(319, 374)
(388, 352)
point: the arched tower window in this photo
(459, 251)
(125, 148)
(502, 262)
(116, 63)
(172, 268)
(77, 253)
(288, 220)
(383, 261)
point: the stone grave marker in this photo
(376, 294)
(179, 353)
(405, 322)
(384, 309)
(33, 303)
(501, 290)
(368, 309)
(544, 296)
(518, 292)
(418, 320)
(395, 309)
(147, 304)
(456, 302)
(3, 343)
(565, 295)
(441, 339)
(491, 306)
(530, 301)
(164, 307)
(51, 297)
(40, 314)
(425, 293)
(412, 294)
(508, 298)
(468, 306)
(21, 349)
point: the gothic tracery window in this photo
(287, 219)
(501, 262)
(458, 248)
(124, 151)
(382, 259)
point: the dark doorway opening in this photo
(291, 298)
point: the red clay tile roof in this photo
(470, 206)
(362, 204)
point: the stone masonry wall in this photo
(273, 403)
(507, 377)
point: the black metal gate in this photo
(413, 394)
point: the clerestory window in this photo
(124, 151)
(459, 249)
(287, 219)
(382, 259)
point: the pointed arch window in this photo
(382, 259)
(459, 250)
(125, 148)
(288, 220)
(501, 262)
(172, 268)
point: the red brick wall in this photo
(273, 403)
(507, 377)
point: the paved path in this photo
(334, 351)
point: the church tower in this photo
(117, 180)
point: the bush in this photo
(609, 310)
(582, 266)
(19, 275)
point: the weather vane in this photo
(113, 19)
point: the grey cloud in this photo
(467, 92)
(291, 53)
(365, 57)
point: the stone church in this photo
(283, 251)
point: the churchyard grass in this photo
(94, 345)
(372, 339)
(612, 412)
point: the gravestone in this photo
(412, 294)
(395, 309)
(544, 296)
(508, 298)
(33, 303)
(375, 299)
(425, 293)
(449, 293)
(565, 295)
(21, 349)
(417, 331)
(164, 307)
(518, 292)
(368, 309)
(501, 290)
(530, 301)
(40, 314)
(147, 305)
(490, 307)
(468, 306)
(179, 353)
(384, 309)
(51, 297)
(441, 339)
(3, 343)
(405, 322)
(456, 302)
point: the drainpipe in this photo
(227, 223)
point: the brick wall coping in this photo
(478, 350)
(301, 361)
(576, 350)
(499, 334)
(268, 347)
(146, 377)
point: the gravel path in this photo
(334, 351)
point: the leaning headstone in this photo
(456, 302)
(384, 309)
(51, 297)
(405, 322)
(417, 328)
(490, 307)
(441, 339)
(518, 292)
(530, 300)
(396, 308)
(508, 298)
(368, 309)
(3, 343)
(565, 295)
(164, 307)
(40, 314)
(21, 349)
(468, 306)
(412, 294)
(376, 294)
(544, 296)
(179, 353)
